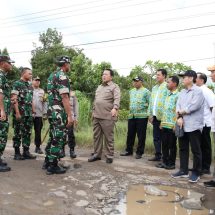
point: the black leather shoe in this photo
(109, 160)
(161, 165)
(4, 168)
(205, 172)
(154, 159)
(138, 156)
(170, 167)
(209, 183)
(72, 154)
(93, 158)
(125, 153)
(38, 150)
(55, 169)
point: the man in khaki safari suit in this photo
(105, 108)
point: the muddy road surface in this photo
(92, 188)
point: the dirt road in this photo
(86, 188)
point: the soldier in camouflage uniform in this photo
(5, 66)
(22, 95)
(59, 115)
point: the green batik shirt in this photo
(58, 83)
(169, 110)
(24, 92)
(158, 96)
(5, 90)
(139, 102)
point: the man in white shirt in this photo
(212, 182)
(205, 135)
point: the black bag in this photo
(179, 132)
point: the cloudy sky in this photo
(123, 32)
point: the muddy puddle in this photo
(138, 201)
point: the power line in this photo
(120, 18)
(129, 38)
(43, 11)
(63, 17)
(128, 26)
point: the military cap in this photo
(60, 60)
(36, 78)
(138, 78)
(6, 58)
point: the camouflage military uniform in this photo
(58, 84)
(4, 125)
(23, 127)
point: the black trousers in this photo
(194, 139)
(157, 137)
(169, 148)
(71, 138)
(206, 148)
(38, 125)
(136, 126)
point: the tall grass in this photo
(84, 130)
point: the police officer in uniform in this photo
(5, 67)
(40, 111)
(22, 96)
(59, 115)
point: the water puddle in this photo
(139, 201)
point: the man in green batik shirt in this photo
(59, 115)
(158, 96)
(5, 67)
(168, 121)
(22, 99)
(138, 118)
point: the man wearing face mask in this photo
(105, 108)
(23, 110)
(5, 67)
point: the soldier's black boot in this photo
(17, 155)
(72, 154)
(45, 163)
(4, 168)
(54, 168)
(2, 162)
(27, 154)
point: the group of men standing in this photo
(27, 102)
(186, 115)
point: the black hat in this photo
(189, 73)
(60, 60)
(36, 78)
(138, 78)
(6, 58)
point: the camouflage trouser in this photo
(4, 125)
(57, 136)
(22, 131)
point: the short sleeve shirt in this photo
(24, 92)
(5, 90)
